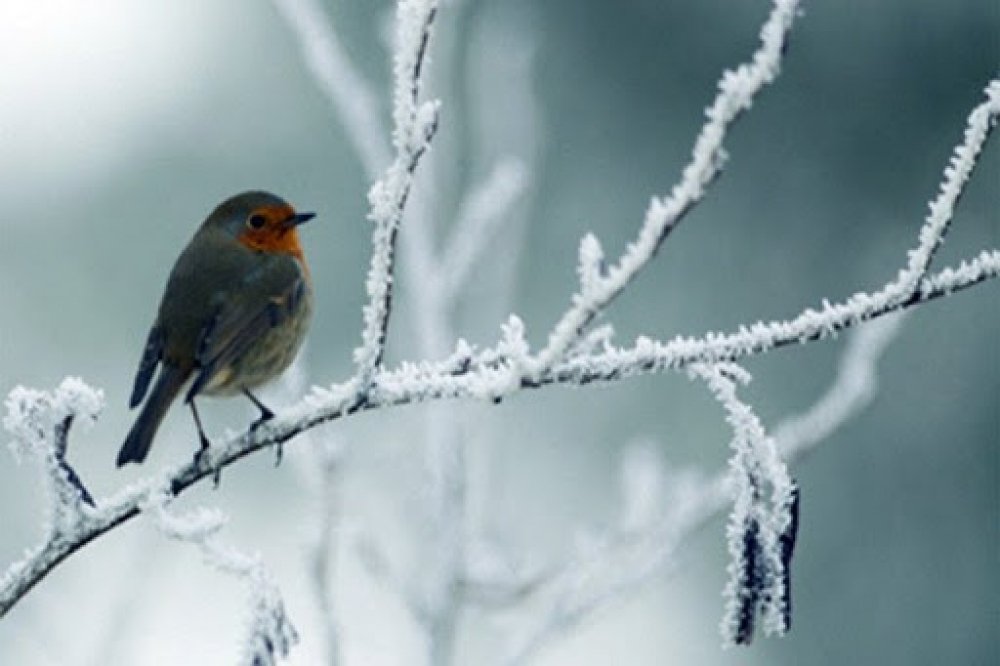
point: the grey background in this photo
(122, 124)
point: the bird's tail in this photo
(140, 437)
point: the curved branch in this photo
(495, 373)
(410, 385)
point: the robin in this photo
(233, 315)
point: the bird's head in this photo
(260, 221)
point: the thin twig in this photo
(415, 124)
(737, 90)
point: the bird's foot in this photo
(264, 418)
(265, 413)
(201, 454)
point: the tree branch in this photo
(631, 553)
(737, 89)
(415, 124)
(494, 373)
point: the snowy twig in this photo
(271, 634)
(432, 304)
(763, 522)
(981, 122)
(415, 124)
(737, 90)
(650, 356)
(490, 375)
(40, 422)
(692, 503)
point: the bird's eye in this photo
(256, 221)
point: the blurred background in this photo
(122, 124)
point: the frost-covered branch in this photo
(40, 422)
(494, 372)
(662, 508)
(764, 519)
(270, 634)
(650, 356)
(415, 123)
(470, 375)
(600, 284)
(441, 279)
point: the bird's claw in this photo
(201, 454)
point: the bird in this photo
(232, 317)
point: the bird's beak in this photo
(299, 218)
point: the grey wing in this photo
(246, 316)
(151, 356)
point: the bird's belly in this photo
(266, 358)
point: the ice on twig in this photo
(737, 90)
(39, 422)
(414, 124)
(591, 267)
(32, 416)
(941, 209)
(764, 519)
(270, 634)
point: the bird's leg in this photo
(217, 477)
(265, 415)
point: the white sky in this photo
(80, 79)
